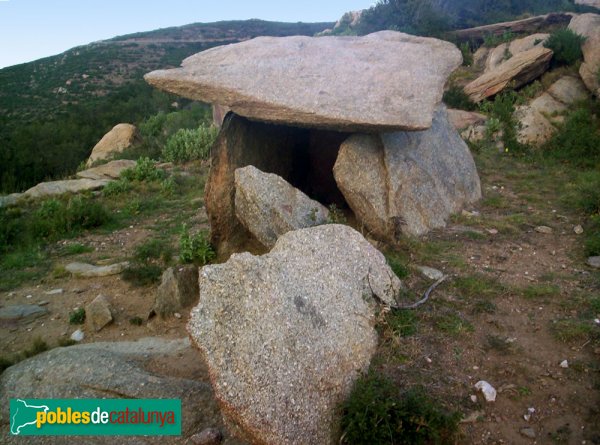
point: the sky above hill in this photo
(32, 29)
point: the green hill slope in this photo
(53, 110)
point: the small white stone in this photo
(489, 392)
(177, 315)
(564, 364)
(474, 398)
(78, 335)
(54, 292)
(29, 296)
(578, 229)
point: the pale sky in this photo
(32, 29)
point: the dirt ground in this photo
(513, 324)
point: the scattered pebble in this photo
(492, 231)
(489, 392)
(530, 412)
(428, 360)
(594, 261)
(543, 229)
(29, 296)
(177, 315)
(528, 432)
(564, 364)
(43, 303)
(54, 292)
(578, 230)
(474, 398)
(78, 335)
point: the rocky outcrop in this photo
(23, 312)
(268, 206)
(504, 52)
(337, 83)
(529, 25)
(407, 182)
(178, 290)
(538, 119)
(286, 335)
(122, 136)
(110, 170)
(100, 370)
(515, 72)
(54, 188)
(347, 23)
(588, 25)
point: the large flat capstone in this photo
(380, 82)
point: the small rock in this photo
(29, 296)
(473, 214)
(54, 292)
(492, 231)
(564, 364)
(594, 261)
(177, 315)
(43, 303)
(78, 335)
(178, 290)
(543, 229)
(22, 312)
(98, 313)
(210, 436)
(431, 273)
(578, 230)
(528, 432)
(530, 412)
(474, 398)
(488, 390)
(90, 271)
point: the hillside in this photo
(53, 110)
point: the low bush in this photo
(77, 316)
(195, 248)
(142, 273)
(577, 140)
(455, 97)
(189, 145)
(566, 45)
(377, 412)
(144, 170)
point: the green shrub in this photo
(398, 266)
(592, 238)
(378, 413)
(336, 215)
(114, 188)
(142, 274)
(577, 140)
(154, 249)
(10, 227)
(455, 97)
(586, 195)
(467, 55)
(77, 316)
(195, 248)
(503, 108)
(566, 45)
(144, 170)
(55, 218)
(188, 145)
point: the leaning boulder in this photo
(178, 290)
(286, 335)
(588, 25)
(515, 72)
(122, 136)
(100, 370)
(110, 170)
(407, 182)
(269, 206)
(505, 51)
(336, 83)
(461, 119)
